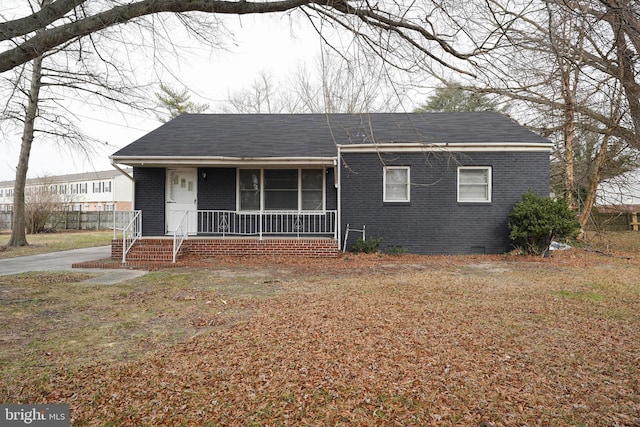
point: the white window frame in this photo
(488, 184)
(384, 184)
(299, 190)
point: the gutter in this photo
(212, 161)
(446, 147)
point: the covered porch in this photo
(221, 232)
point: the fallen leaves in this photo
(378, 340)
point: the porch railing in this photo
(260, 223)
(130, 232)
(180, 234)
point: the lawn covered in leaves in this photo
(358, 340)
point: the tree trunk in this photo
(593, 184)
(18, 234)
(568, 131)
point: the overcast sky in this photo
(263, 44)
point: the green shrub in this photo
(536, 221)
(367, 246)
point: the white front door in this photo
(181, 197)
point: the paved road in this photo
(61, 261)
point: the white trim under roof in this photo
(445, 146)
(166, 161)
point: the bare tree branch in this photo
(67, 27)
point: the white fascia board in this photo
(445, 147)
(163, 161)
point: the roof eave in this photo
(170, 161)
(448, 147)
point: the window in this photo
(474, 184)
(249, 180)
(102, 187)
(281, 189)
(396, 184)
(311, 188)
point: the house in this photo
(430, 183)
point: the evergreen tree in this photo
(450, 99)
(176, 102)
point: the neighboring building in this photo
(431, 183)
(90, 191)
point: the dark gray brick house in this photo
(431, 183)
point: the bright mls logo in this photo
(35, 415)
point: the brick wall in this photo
(315, 248)
(149, 197)
(434, 222)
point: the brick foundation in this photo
(159, 249)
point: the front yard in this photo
(361, 340)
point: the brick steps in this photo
(147, 251)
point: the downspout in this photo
(338, 186)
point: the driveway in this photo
(60, 261)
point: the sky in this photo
(263, 44)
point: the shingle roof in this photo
(316, 135)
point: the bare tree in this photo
(561, 66)
(43, 200)
(38, 101)
(334, 84)
(262, 97)
(391, 29)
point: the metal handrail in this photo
(179, 237)
(131, 233)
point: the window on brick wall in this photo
(474, 184)
(396, 184)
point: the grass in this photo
(55, 315)
(358, 340)
(625, 241)
(53, 242)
